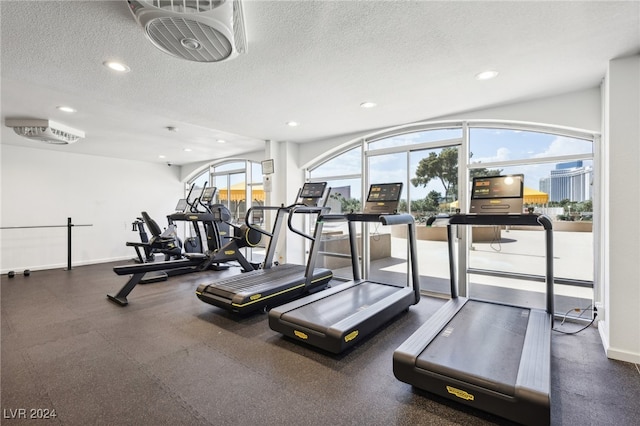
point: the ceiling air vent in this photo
(45, 131)
(195, 30)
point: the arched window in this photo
(435, 162)
(238, 183)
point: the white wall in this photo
(578, 110)
(620, 327)
(43, 187)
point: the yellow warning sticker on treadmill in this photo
(229, 252)
(255, 296)
(460, 393)
(351, 336)
(300, 334)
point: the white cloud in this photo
(565, 146)
(502, 154)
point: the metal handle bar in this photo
(249, 215)
(305, 210)
(396, 219)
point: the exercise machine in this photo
(193, 262)
(195, 216)
(487, 355)
(342, 316)
(166, 242)
(244, 236)
(274, 284)
(138, 226)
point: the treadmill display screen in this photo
(384, 192)
(313, 190)
(492, 187)
(208, 193)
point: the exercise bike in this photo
(165, 242)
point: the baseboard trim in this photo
(613, 353)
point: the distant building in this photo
(571, 181)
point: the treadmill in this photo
(273, 285)
(487, 355)
(340, 317)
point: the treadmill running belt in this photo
(326, 312)
(482, 345)
(256, 280)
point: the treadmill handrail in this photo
(385, 219)
(526, 219)
(396, 219)
(263, 208)
(305, 210)
(333, 217)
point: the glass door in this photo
(433, 189)
(430, 186)
(386, 248)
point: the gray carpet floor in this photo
(169, 359)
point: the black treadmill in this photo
(340, 317)
(491, 356)
(273, 285)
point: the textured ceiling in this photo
(312, 62)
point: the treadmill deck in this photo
(328, 311)
(496, 334)
(493, 357)
(255, 289)
(339, 317)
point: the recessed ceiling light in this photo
(486, 75)
(117, 66)
(292, 123)
(162, 156)
(66, 108)
(187, 150)
(221, 141)
(368, 105)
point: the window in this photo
(415, 138)
(487, 145)
(347, 163)
(558, 167)
(558, 172)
